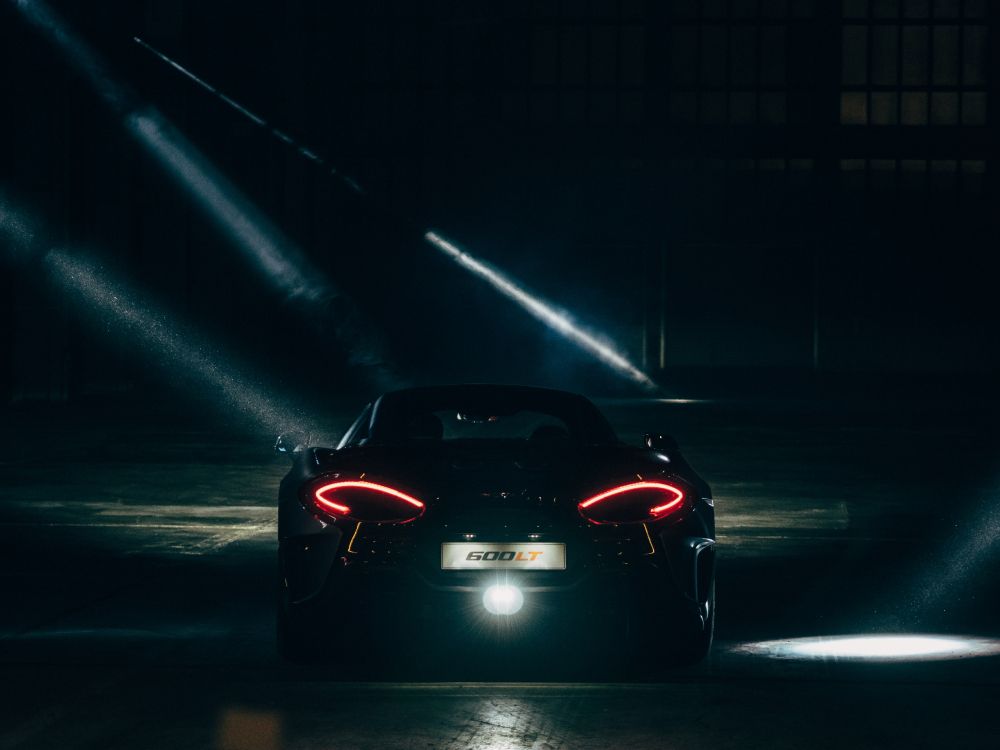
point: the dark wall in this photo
(743, 184)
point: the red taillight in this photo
(633, 503)
(365, 501)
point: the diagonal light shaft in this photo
(542, 311)
(275, 257)
(149, 329)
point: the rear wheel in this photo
(313, 631)
(693, 646)
(663, 639)
(295, 628)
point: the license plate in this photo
(505, 556)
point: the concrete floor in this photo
(137, 554)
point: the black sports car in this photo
(489, 512)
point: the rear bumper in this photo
(592, 613)
(677, 581)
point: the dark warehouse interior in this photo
(767, 228)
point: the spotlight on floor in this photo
(503, 600)
(902, 647)
(554, 319)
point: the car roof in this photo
(481, 389)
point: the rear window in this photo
(521, 425)
(480, 413)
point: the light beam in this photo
(129, 315)
(557, 321)
(304, 151)
(546, 313)
(269, 251)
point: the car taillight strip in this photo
(332, 506)
(359, 485)
(678, 495)
(659, 510)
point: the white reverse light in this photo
(503, 600)
(876, 648)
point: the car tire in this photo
(294, 633)
(694, 645)
(661, 641)
(295, 626)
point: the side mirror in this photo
(288, 443)
(659, 442)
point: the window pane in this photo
(685, 8)
(743, 55)
(944, 174)
(854, 55)
(543, 107)
(803, 8)
(632, 107)
(573, 106)
(713, 55)
(945, 56)
(973, 174)
(773, 8)
(514, 106)
(713, 8)
(946, 8)
(913, 174)
(632, 55)
(772, 56)
(853, 108)
(713, 108)
(684, 55)
(914, 109)
(944, 108)
(633, 9)
(974, 108)
(544, 58)
(884, 54)
(883, 174)
(852, 173)
(885, 8)
(772, 108)
(975, 8)
(546, 8)
(683, 108)
(573, 51)
(603, 53)
(743, 108)
(916, 8)
(884, 108)
(855, 8)
(914, 55)
(602, 106)
(599, 8)
(974, 59)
